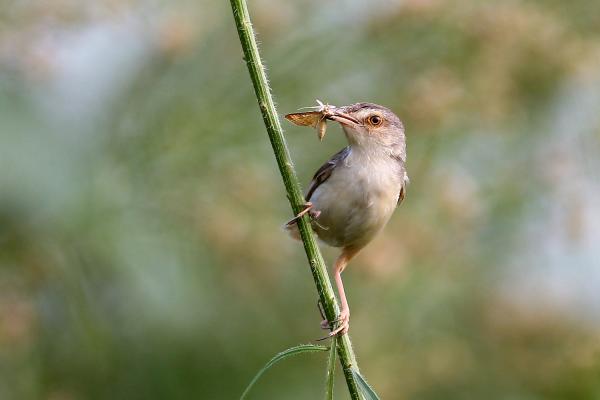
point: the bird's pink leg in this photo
(343, 318)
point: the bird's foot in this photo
(308, 208)
(324, 323)
(343, 323)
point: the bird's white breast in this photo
(357, 200)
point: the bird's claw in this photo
(307, 209)
(343, 323)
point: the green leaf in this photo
(303, 348)
(331, 369)
(365, 389)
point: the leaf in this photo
(365, 389)
(331, 369)
(303, 348)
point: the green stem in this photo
(292, 186)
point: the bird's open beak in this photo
(343, 118)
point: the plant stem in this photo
(292, 186)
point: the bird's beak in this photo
(344, 119)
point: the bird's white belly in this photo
(355, 203)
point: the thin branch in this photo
(292, 186)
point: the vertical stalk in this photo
(292, 186)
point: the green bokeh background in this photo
(141, 250)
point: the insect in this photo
(317, 119)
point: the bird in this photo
(353, 195)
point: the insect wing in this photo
(311, 118)
(321, 127)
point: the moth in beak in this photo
(318, 118)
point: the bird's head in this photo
(371, 126)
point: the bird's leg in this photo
(343, 319)
(307, 209)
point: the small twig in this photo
(292, 186)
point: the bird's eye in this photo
(375, 120)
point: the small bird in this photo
(353, 195)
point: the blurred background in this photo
(141, 250)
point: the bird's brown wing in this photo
(325, 171)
